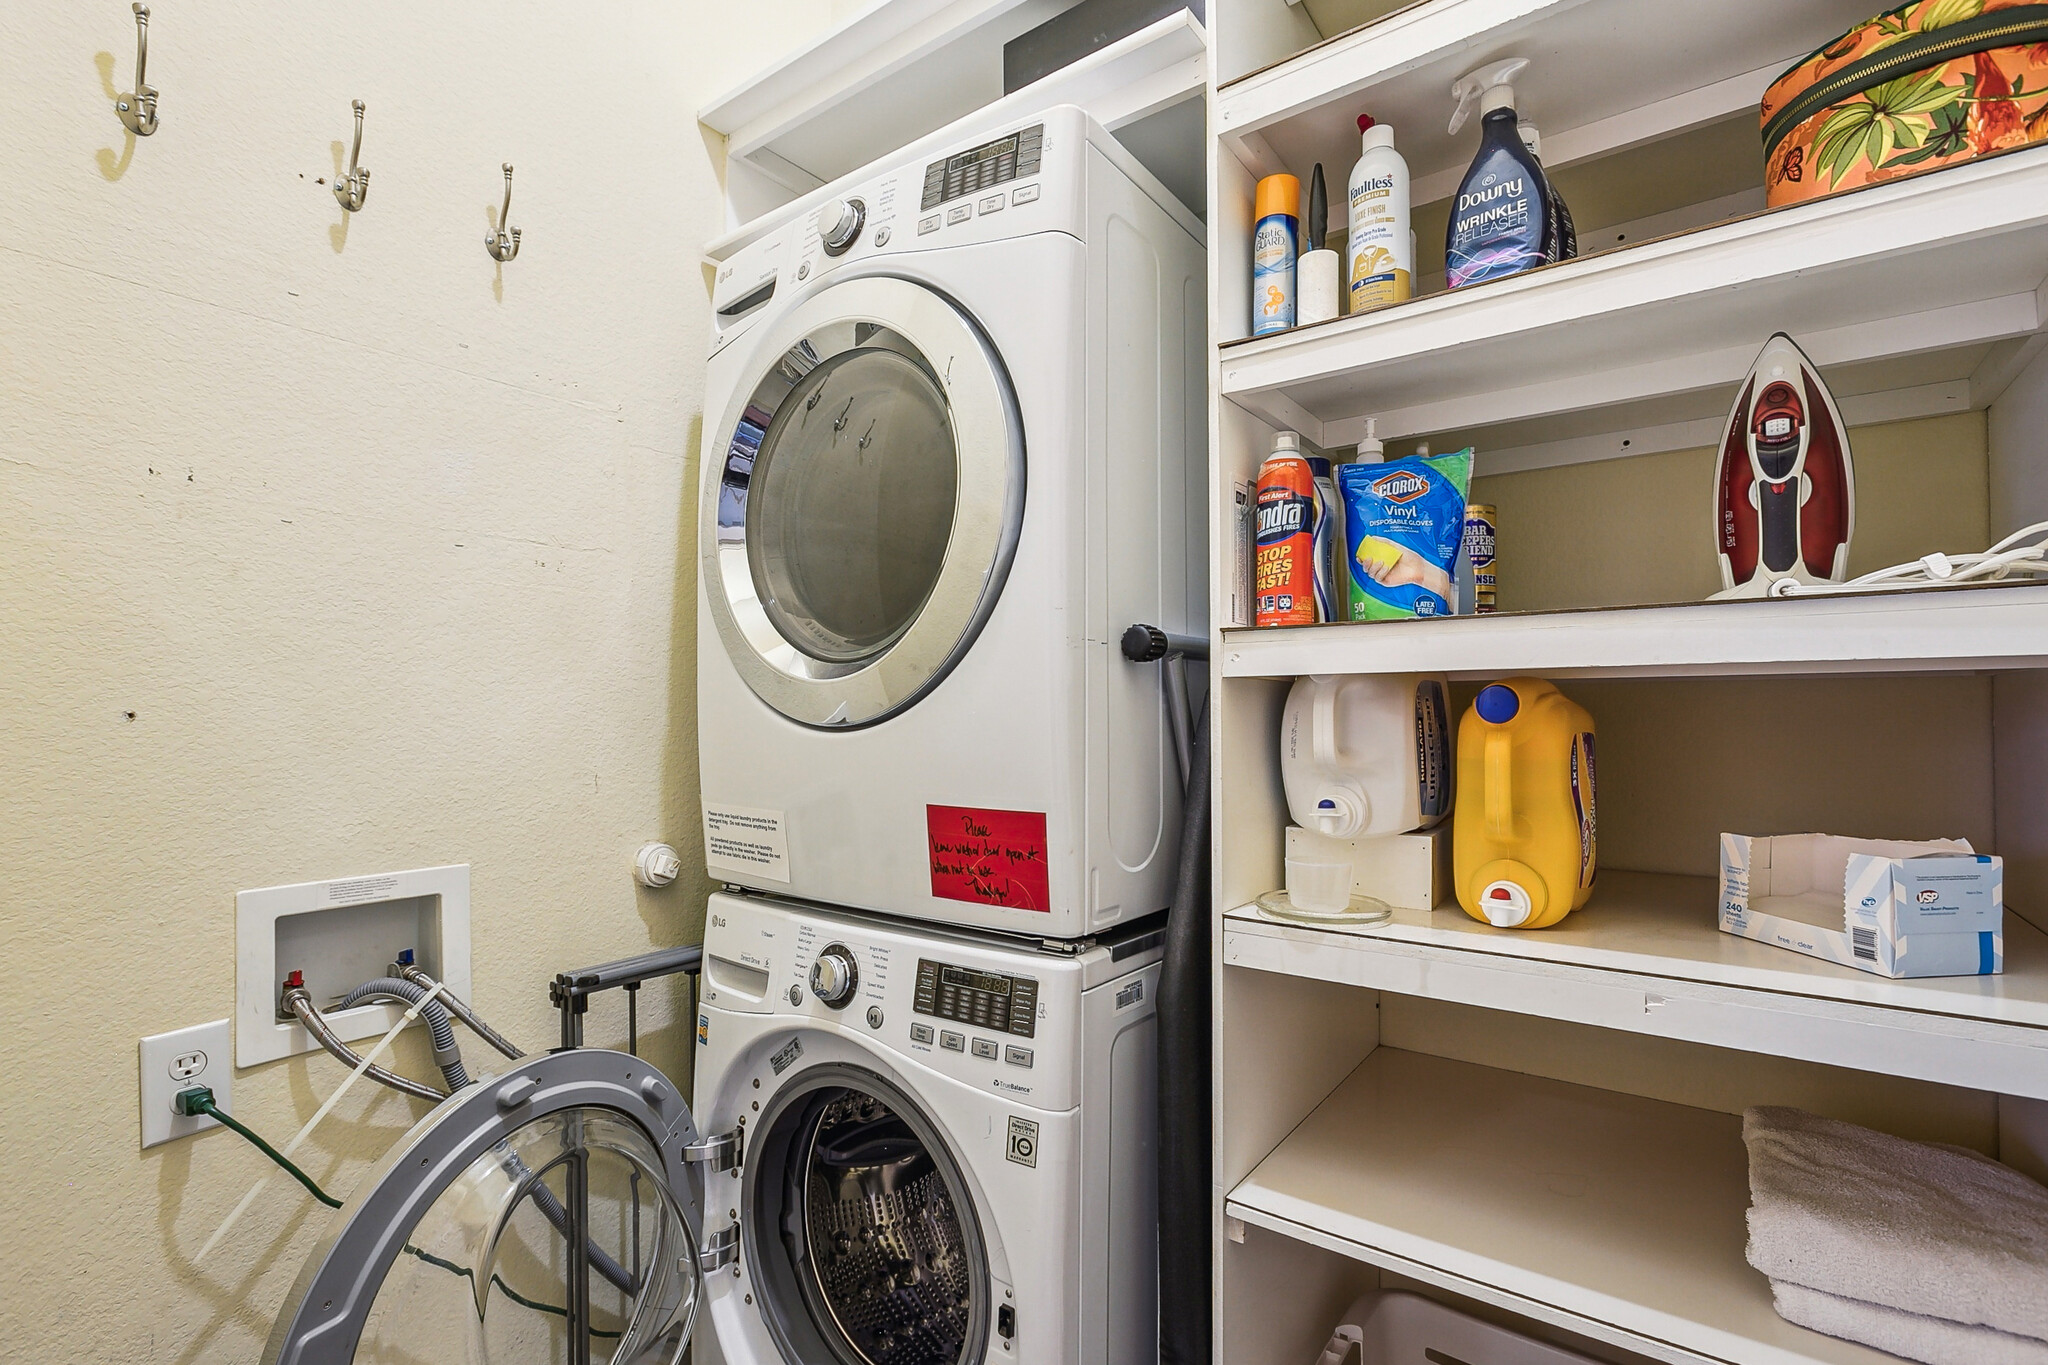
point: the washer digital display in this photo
(992, 163)
(990, 1000)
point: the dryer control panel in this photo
(968, 995)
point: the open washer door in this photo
(859, 526)
(553, 1214)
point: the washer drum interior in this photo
(862, 1237)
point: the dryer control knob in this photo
(839, 224)
(834, 978)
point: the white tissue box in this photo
(1903, 908)
(1407, 871)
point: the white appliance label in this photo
(1023, 1147)
(745, 840)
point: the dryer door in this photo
(867, 502)
(549, 1214)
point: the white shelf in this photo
(809, 123)
(1605, 75)
(1945, 629)
(890, 73)
(1613, 1216)
(1938, 262)
(1645, 956)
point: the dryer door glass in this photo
(851, 506)
(530, 1220)
(861, 517)
(864, 1240)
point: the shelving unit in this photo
(1616, 1217)
(1944, 630)
(1605, 75)
(1494, 1114)
(1941, 263)
(1646, 957)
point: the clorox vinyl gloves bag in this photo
(1404, 523)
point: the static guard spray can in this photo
(1276, 246)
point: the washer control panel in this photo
(984, 167)
(968, 995)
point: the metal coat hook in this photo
(137, 108)
(504, 243)
(355, 187)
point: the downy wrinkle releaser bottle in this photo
(1502, 222)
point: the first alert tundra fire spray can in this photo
(1288, 506)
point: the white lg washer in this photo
(948, 1150)
(954, 446)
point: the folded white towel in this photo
(1934, 1341)
(1936, 1231)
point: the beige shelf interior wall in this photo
(1639, 530)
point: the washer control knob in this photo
(839, 224)
(834, 978)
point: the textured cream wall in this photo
(328, 547)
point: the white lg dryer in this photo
(955, 446)
(948, 1143)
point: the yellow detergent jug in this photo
(1523, 832)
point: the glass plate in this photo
(1362, 910)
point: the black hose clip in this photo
(1143, 644)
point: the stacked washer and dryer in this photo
(954, 446)
(954, 443)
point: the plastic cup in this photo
(1318, 887)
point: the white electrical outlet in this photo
(179, 1060)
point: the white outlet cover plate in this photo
(259, 1035)
(179, 1060)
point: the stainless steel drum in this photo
(861, 1232)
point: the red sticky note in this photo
(988, 857)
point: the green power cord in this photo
(199, 1101)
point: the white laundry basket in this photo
(1407, 1329)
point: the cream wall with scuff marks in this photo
(327, 547)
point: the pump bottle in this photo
(1501, 222)
(1380, 248)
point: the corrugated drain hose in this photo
(447, 1055)
(1184, 1069)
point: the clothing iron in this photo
(1784, 491)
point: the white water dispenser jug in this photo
(1367, 755)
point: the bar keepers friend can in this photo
(1286, 505)
(1482, 533)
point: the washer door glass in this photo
(867, 1250)
(560, 1235)
(488, 1268)
(861, 519)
